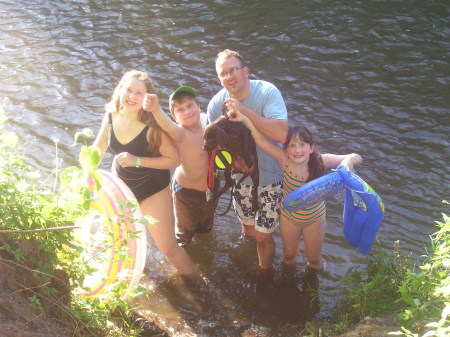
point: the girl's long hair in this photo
(315, 163)
(154, 132)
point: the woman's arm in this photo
(271, 149)
(168, 159)
(102, 137)
(334, 160)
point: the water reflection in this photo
(370, 77)
(230, 296)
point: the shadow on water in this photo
(230, 296)
(370, 77)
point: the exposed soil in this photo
(375, 327)
(21, 286)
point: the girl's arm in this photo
(271, 149)
(334, 160)
(151, 104)
(102, 137)
(275, 129)
(168, 159)
(169, 156)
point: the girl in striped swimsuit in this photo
(300, 162)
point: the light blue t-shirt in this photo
(266, 100)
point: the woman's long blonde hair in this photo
(154, 132)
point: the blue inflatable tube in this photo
(315, 191)
(363, 208)
(363, 211)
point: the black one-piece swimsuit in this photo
(142, 181)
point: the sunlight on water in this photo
(370, 77)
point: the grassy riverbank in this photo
(41, 270)
(41, 267)
(417, 292)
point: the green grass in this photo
(391, 282)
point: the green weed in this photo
(33, 213)
(394, 283)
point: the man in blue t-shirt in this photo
(263, 104)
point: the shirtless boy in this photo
(194, 214)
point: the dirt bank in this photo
(22, 303)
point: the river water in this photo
(370, 77)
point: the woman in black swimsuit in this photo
(144, 155)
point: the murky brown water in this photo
(369, 76)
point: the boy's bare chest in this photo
(193, 144)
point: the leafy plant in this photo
(36, 303)
(370, 292)
(425, 290)
(393, 283)
(42, 217)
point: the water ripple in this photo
(371, 78)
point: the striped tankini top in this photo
(306, 216)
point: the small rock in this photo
(368, 330)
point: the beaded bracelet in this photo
(138, 162)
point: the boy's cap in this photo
(183, 88)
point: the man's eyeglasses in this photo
(224, 74)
